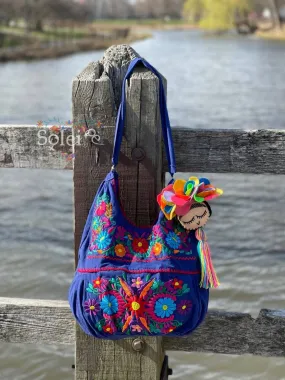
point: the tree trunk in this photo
(39, 26)
(275, 14)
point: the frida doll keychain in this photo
(188, 202)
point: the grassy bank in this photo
(18, 44)
(41, 51)
(63, 38)
(146, 23)
(278, 35)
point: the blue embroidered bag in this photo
(144, 281)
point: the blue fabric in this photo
(133, 281)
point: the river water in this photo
(226, 82)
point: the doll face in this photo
(197, 217)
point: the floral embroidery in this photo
(165, 239)
(91, 306)
(140, 245)
(109, 305)
(101, 209)
(103, 240)
(97, 224)
(168, 329)
(109, 210)
(173, 240)
(100, 283)
(108, 329)
(144, 307)
(120, 250)
(164, 307)
(136, 328)
(177, 284)
(184, 307)
(137, 282)
(156, 249)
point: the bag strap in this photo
(165, 123)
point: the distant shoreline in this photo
(39, 51)
(40, 45)
(61, 39)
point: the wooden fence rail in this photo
(208, 151)
(96, 96)
(50, 322)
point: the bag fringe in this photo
(209, 277)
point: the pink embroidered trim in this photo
(108, 269)
(135, 259)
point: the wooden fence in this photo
(96, 95)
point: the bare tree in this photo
(158, 8)
(36, 12)
(8, 10)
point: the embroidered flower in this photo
(177, 284)
(101, 209)
(103, 240)
(140, 245)
(100, 283)
(137, 283)
(106, 222)
(158, 310)
(168, 329)
(120, 250)
(109, 210)
(136, 328)
(164, 307)
(173, 240)
(184, 307)
(156, 249)
(156, 230)
(108, 329)
(96, 224)
(91, 306)
(109, 304)
(136, 306)
(169, 287)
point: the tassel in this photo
(209, 278)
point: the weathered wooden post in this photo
(96, 97)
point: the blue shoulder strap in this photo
(165, 123)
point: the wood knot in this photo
(138, 154)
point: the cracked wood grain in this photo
(222, 332)
(209, 151)
(96, 97)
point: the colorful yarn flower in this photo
(156, 249)
(101, 209)
(108, 328)
(103, 240)
(120, 250)
(136, 328)
(184, 307)
(164, 307)
(137, 282)
(177, 284)
(173, 240)
(96, 224)
(109, 305)
(91, 306)
(168, 329)
(100, 283)
(177, 198)
(140, 245)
